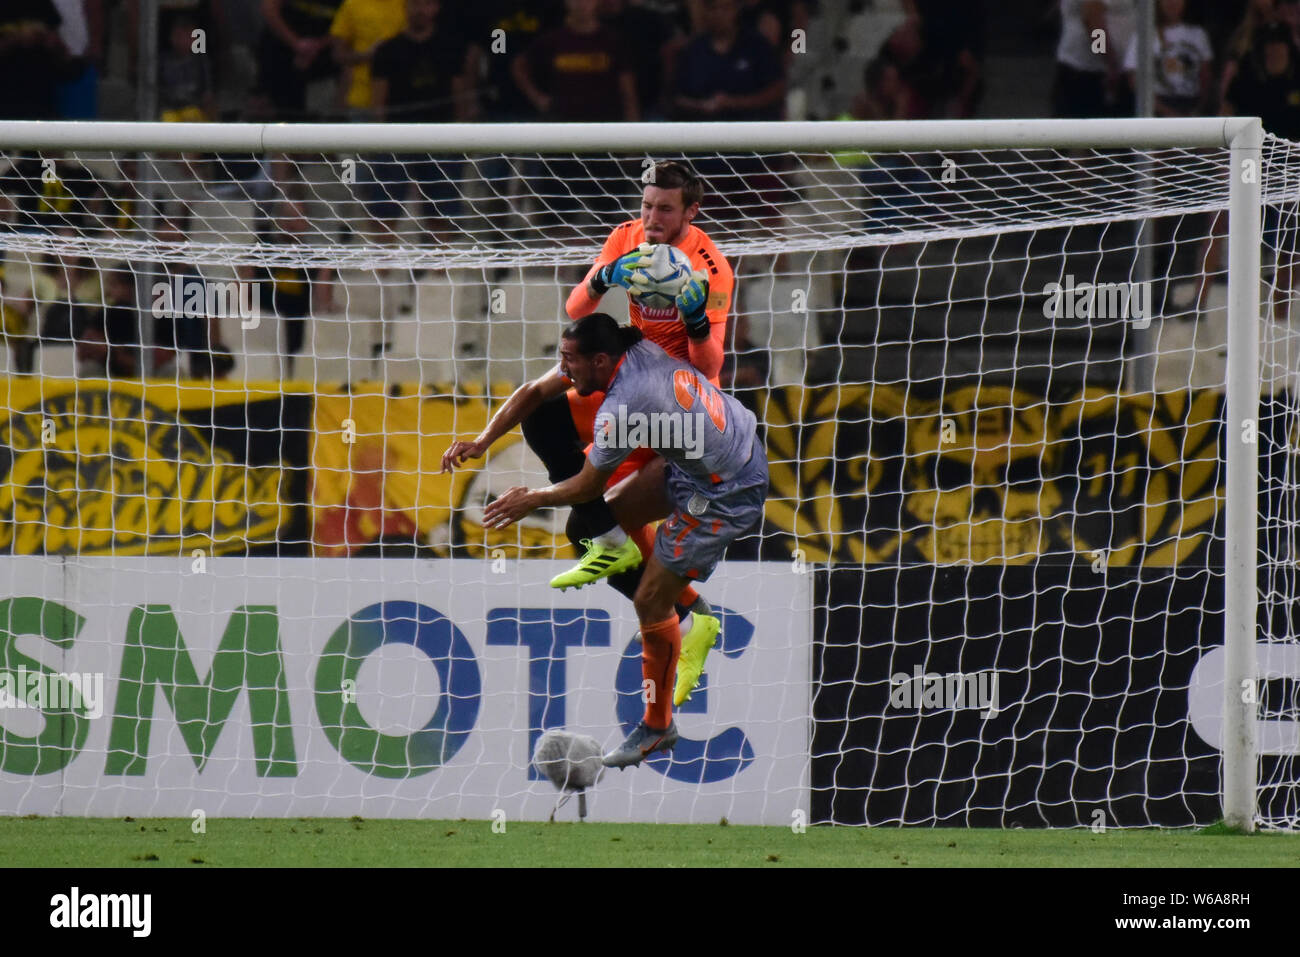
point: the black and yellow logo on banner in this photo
(859, 474)
(94, 467)
(870, 474)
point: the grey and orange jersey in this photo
(668, 405)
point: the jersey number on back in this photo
(687, 387)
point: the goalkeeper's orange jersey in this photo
(664, 327)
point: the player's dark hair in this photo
(600, 332)
(670, 174)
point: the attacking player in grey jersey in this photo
(714, 489)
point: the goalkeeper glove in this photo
(690, 305)
(620, 271)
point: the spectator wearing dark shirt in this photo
(580, 72)
(951, 51)
(506, 28)
(78, 286)
(177, 331)
(1267, 85)
(185, 91)
(294, 51)
(285, 291)
(1244, 21)
(1222, 19)
(107, 340)
(206, 15)
(32, 59)
(775, 21)
(726, 73)
(425, 74)
(891, 88)
(650, 34)
(502, 29)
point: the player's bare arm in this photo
(641, 498)
(522, 403)
(520, 501)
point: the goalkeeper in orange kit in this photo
(560, 429)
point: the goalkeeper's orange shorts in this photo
(583, 408)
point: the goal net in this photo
(992, 376)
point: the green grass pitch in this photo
(338, 842)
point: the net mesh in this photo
(990, 384)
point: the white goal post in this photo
(1242, 138)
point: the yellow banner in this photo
(860, 474)
(870, 474)
(94, 467)
(376, 479)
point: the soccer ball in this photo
(571, 761)
(657, 284)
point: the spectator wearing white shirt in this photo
(1183, 79)
(1095, 36)
(1183, 63)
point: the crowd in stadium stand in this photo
(496, 60)
(929, 67)
(603, 60)
(1233, 58)
(587, 60)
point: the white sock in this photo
(687, 622)
(613, 538)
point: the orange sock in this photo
(688, 597)
(661, 643)
(644, 536)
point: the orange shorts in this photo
(584, 409)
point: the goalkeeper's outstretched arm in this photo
(583, 300)
(519, 406)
